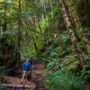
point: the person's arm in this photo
(30, 65)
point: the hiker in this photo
(26, 67)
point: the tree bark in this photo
(51, 6)
(70, 32)
(19, 33)
(78, 26)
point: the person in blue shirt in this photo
(26, 67)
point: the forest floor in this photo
(37, 78)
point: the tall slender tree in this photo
(5, 16)
(19, 33)
(70, 31)
(78, 26)
(51, 6)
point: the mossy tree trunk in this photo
(78, 26)
(70, 31)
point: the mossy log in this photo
(17, 86)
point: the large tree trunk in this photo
(19, 33)
(70, 31)
(78, 26)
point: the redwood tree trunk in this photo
(70, 31)
(78, 26)
(19, 33)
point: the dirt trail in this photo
(16, 81)
(37, 76)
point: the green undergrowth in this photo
(62, 80)
(62, 64)
(3, 78)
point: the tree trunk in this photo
(70, 31)
(70, 16)
(19, 33)
(78, 26)
(51, 6)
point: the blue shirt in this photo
(26, 66)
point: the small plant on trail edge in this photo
(2, 78)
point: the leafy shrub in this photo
(53, 65)
(86, 73)
(2, 70)
(87, 58)
(2, 88)
(62, 80)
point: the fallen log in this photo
(17, 86)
